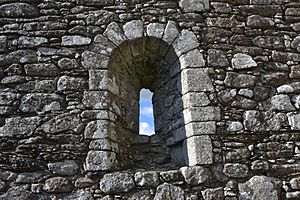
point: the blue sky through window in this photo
(146, 113)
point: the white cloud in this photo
(146, 129)
(146, 94)
(147, 111)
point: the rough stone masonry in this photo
(226, 81)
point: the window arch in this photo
(129, 62)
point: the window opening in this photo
(146, 122)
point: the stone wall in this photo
(226, 82)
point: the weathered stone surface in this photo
(236, 170)
(213, 194)
(75, 40)
(295, 183)
(100, 129)
(256, 21)
(192, 59)
(292, 11)
(68, 83)
(296, 43)
(40, 102)
(41, 69)
(171, 32)
(117, 182)
(114, 33)
(67, 64)
(293, 195)
(83, 182)
(17, 194)
(294, 121)
(91, 60)
(101, 161)
(217, 58)
(155, 30)
(195, 99)
(27, 42)
(100, 80)
(260, 187)
(198, 150)
(239, 80)
(201, 114)
(63, 122)
(242, 102)
(79, 195)
(7, 98)
(185, 42)
(95, 2)
(3, 44)
(8, 176)
(196, 80)
(18, 10)
(295, 72)
(104, 144)
(296, 26)
(195, 175)
(243, 61)
(57, 185)
(168, 191)
(272, 42)
(143, 194)
(171, 176)
(285, 89)
(19, 56)
(199, 128)
(235, 126)
(260, 165)
(19, 127)
(133, 29)
(64, 168)
(194, 5)
(30, 177)
(281, 102)
(257, 121)
(147, 179)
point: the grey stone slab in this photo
(117, 182)
(75, 40)
(198, 150)
(114, 33)
(195, 175)
(100, 161)
(202, 114)
(196, 80)
(242, 61)
(155, 30)
(134, 29)
(260, 187)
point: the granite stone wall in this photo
(226, 81)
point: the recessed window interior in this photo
(146, 124)
(147, 99)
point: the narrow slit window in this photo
(146, 113)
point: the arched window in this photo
(173, 69)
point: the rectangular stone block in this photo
(102, 100)
(195, 99)
(200, 128)
(202, 114)
(192, 129)
(196, 80)
(101, 80)
(100, 161)
(100, 129)
(198, 150)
